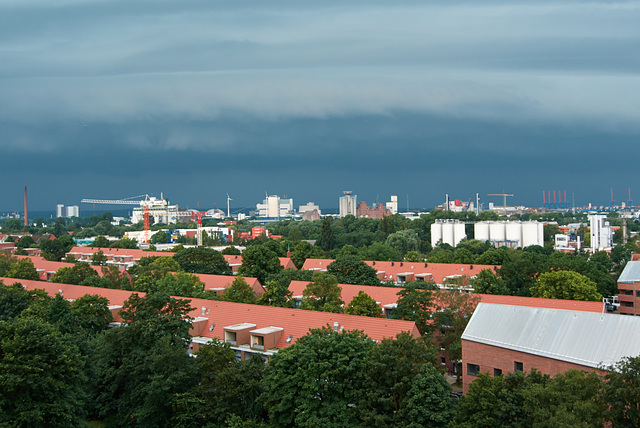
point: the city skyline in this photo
(198, 99)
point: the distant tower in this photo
(348, 204)
(59, 210)
(393, 205)
(26, 213)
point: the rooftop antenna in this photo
(228, 210)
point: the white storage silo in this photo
(447, 233)
(514, 233)
(459, 232)
(496, 231)
(481, 231)
(530, 233)
(436, 233)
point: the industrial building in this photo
(348, 204)
(275, 207)
(501, 339)
(69, 211)
(393, 204)
(512, 234)
(160, 211)
(447, 232)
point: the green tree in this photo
(13, 300)
(622, 393)
(143, 367)
(161, 237)
(452, 312)
(92, 313)
(240, 292)
(202, 260)
(327, 239)
(404, 241)
(98, 259)
(100, 242)
(350, 270)
(302, 251)
(42, 375)
(23, 269)
(231, 250)
(566, 285)
(487, 282)
(55, 249)
(322, 294)
(317, 381)
(126, 243)
(74, 275)
(276, 294)
(259, 262)
(364, 305)
(429, 402)
(415, 304)
(390, 369)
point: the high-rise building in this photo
(73, 211)
(60, 210)
(601, 232)
(348, 204)
(274, 206)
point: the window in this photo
(497, 372)
(638, 293)
(230, 337)
(443, 361)
(473, 369)
(518, 366)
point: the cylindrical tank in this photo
(496, 231)
(481, 231)
(458, 232)
(530, 233)
(447, 233)
(436, 233)
(514, 232)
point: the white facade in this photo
(447, 232)
(273, 206)
(601, 232)
(393, 204)
(70, 211)
(309, 207)
(513, 234)
(348, 204)
(159, 210)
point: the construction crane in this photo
(505, 199)
(199, 215)
(133, 200)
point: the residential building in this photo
(348, 204)
(70, 211)
(249, 329)
(501, 338)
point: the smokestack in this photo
(26, 213)
(544, 201)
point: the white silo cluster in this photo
(512, 234)
(447, 232)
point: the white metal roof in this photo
(267, 330)
(585, 338)
(242, 326)
(631, 272)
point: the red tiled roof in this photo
(235, 261)
(224, 281)
(389, 270)
(389, 295)
(635, 257)
(295, 322)
(135, 253)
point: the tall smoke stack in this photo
(26, 213)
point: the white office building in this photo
(70, 211)
(274, 206)
(393, 204)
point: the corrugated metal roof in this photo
(585, 338)
(631, 273)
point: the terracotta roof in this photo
(389, 295)
(224, 282)
(635, 257)
(389, 270)
(136, 253)
(236, 260)
(44, 266)
(215, 315)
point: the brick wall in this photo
(492, 357)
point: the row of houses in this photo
(249, 329)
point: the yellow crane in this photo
(505, 199)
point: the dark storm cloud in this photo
(165, 93)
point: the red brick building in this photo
(629, 289)
(378, 211)
(502, 338)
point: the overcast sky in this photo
(111, 99)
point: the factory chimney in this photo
(26, 214)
